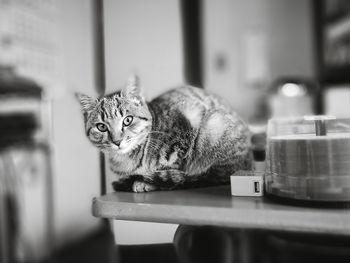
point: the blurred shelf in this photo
(215, 206)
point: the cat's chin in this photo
(127, 149)
(113, 152)
(121, 150)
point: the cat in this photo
(183, 138)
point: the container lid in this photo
(315, 125)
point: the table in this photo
(215, 206)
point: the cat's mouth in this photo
(129, 144)
(121, 148)
(117, 146)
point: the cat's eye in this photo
(127, 120)
(101, 127)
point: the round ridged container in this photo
(308, 158)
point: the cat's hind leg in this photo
(167, 179)
(141, 187)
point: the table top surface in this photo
(215, 206)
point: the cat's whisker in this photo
(172, 141)
(154, 145)
(159, 132)
(159, 143)
(157, 140)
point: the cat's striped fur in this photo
(184, 138)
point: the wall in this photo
(76, 166)
(250, 43)
(143, 37)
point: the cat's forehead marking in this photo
(111, 108)
(103, 110)
(106, 109)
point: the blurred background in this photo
(266, 57)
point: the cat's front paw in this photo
(140, 187)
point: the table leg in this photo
(206, 244)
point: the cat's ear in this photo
(87, 103)
(133, 87)
(132, 91)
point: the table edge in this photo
(288, 220)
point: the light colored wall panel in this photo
(76, 162)
(143, 37)
(265, 39)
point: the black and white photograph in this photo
(174, 131)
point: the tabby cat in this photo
(186, 137)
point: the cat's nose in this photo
(117, 142)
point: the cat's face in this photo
(117, 123)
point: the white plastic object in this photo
(247, 183)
